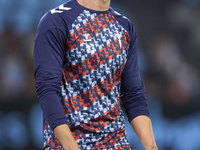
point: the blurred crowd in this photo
(16, 65)
(169, 49)
(169, 33)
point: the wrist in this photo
(152, 147)
(70, 144)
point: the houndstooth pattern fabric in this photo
(95, 58)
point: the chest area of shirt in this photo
(97, 37)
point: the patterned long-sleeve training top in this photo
(85, 65)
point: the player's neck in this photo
(98, 5)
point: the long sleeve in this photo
(132, 95)
(49, 53)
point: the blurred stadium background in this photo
(169, 52)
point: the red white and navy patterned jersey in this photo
(85, 64)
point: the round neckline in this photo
(91, 10)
